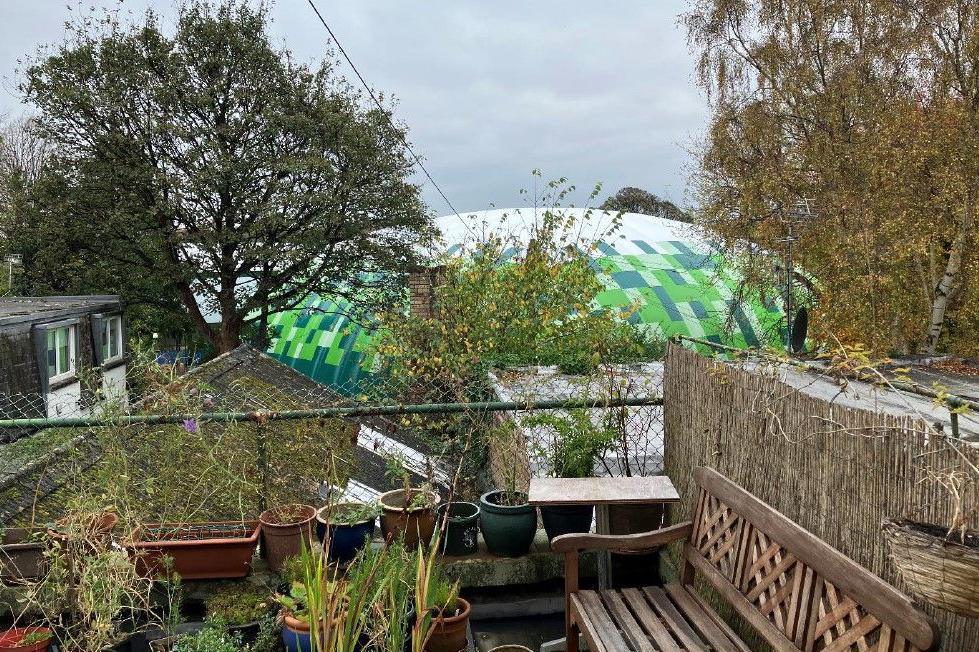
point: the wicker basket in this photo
(944, 573)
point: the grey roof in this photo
(225, 378)
(15, 310)
(881, 399)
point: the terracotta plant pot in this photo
(415, 524)
(449, 634)
(100, 529)
(283, 531)
(213, 550)
(10, 640)
(21, 554)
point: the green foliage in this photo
(196, 160)
(538, 309)
(637, 200)
(578, 442)
(239, 604)
(34, 637)
(442, 592)
(354, 513)
(209, 470)
(211, 638)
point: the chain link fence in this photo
(230, 437)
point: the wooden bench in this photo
(796, 591)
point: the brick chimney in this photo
(422, 283)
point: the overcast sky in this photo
(592, 91)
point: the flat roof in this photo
(20, 309)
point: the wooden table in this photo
(602, 492)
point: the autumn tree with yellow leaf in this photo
(871, 109)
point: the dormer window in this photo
(112, 339)
(61, 353)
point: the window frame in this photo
(71, 333)
(112, 323)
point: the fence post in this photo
(263, 464)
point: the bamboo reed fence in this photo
(837, 471)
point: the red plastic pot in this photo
(10, 639)
(449, 634)
(283, 531)
(212, 550)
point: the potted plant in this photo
(349, 527)
(21, 554)
(408, 512)
(940, 564)
(327, 611)
(284, 528)
(241, 609)
(209, 550)
(460, 523)
(25, 639)
(210, 638)
(508, 522)
(295, 618)
(576, 446)
(94, 529)
(449, 613)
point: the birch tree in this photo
(871, 108)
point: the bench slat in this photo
(650, 620)
(741, 645)
(630, 628)
(703, 622)
(583, 616)
(661, 603)
(604, 627)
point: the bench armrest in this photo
(641, 541)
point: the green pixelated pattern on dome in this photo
(672, 290)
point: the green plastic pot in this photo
(507, 529)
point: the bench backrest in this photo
(796, 590)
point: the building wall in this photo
(114, 384)
(20, 374)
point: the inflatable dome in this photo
(664, 269)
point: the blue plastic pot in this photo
(346, 540)
(295, 635)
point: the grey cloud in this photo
(490, 90)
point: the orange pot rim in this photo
(135, 542)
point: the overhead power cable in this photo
(385, 113)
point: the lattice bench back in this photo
(797, 591)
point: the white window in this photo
(61, 352)
(112, 339)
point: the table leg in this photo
(604, 558)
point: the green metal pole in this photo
(344, 411)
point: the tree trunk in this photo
(230, 336)
(950, 279)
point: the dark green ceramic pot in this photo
(507, 529)
(566, 519)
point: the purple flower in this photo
(190, 425)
